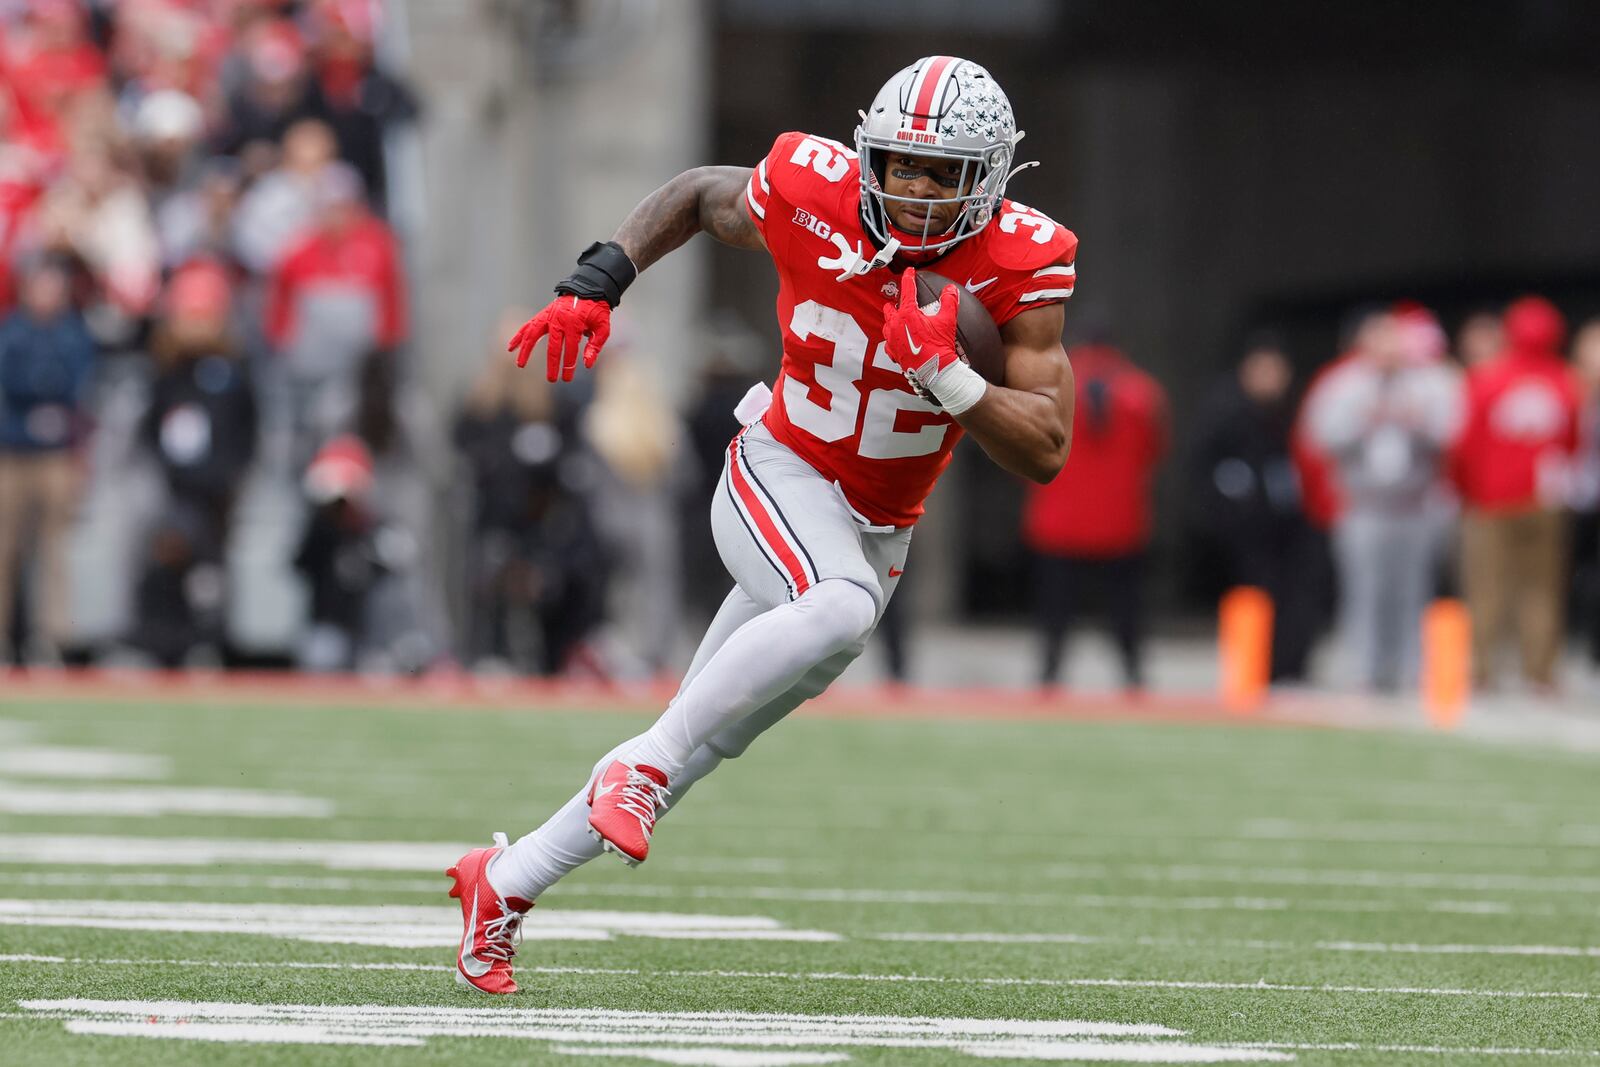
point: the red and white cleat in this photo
(623, 804)
(492, 924)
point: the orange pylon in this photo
(1244, 644)
(1446, 662)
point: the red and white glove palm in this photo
(922, 342)
(567, 320)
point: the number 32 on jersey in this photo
(841, 380)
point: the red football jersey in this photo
(840, 402)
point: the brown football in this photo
(977, 337)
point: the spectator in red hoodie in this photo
(1089, 528)
(1511, 465)
(336, 297)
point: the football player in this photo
(822, 486)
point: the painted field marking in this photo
(80, 850)
(1408, 948)
(606, 1029)
(937, 897)
(276, 882)
(58, 761)
(1427, 1050)
(386, 926)
(1278, 829)
(117, 851)
(1312, 876)
(1586, 951)
(836, 976)
(704, 1057)
(795, 895)
(158, 800)
(690, 1056)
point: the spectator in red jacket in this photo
(337, 296)
(1089, 528)
(1511, 464)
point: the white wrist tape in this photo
(957, 387)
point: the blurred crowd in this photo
(203, 311)
(192, 200)
(1407, 469)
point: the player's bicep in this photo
(1035, 360)
(1036, 363)
(727, 211)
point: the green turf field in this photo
(963, 891)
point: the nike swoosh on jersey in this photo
(472, 965)
(971, 288)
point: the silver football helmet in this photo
(948, 108)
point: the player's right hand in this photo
(566, 320)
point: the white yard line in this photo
(717, 1038)
(388, 926)
(275, 882)
(59, 761)
(980, 898)
(790, 894)
(680, 1037)
(18, 799)
(1582, 951)
(1313, 876)
(829, 976)
(1384, 831)
(703, 1057)
(80, 850)
(1407, 948)
(1426, 1050)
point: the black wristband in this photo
(604, 271)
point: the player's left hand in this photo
(922, 342)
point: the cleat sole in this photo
(465, 983)
(607, 846)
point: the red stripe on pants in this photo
(768, 529)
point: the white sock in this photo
(760, 661)
(539, 860)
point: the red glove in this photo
(566, 319)
(923, 344)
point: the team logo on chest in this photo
(805, 218)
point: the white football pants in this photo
(812, 580)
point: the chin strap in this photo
(852, 261)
